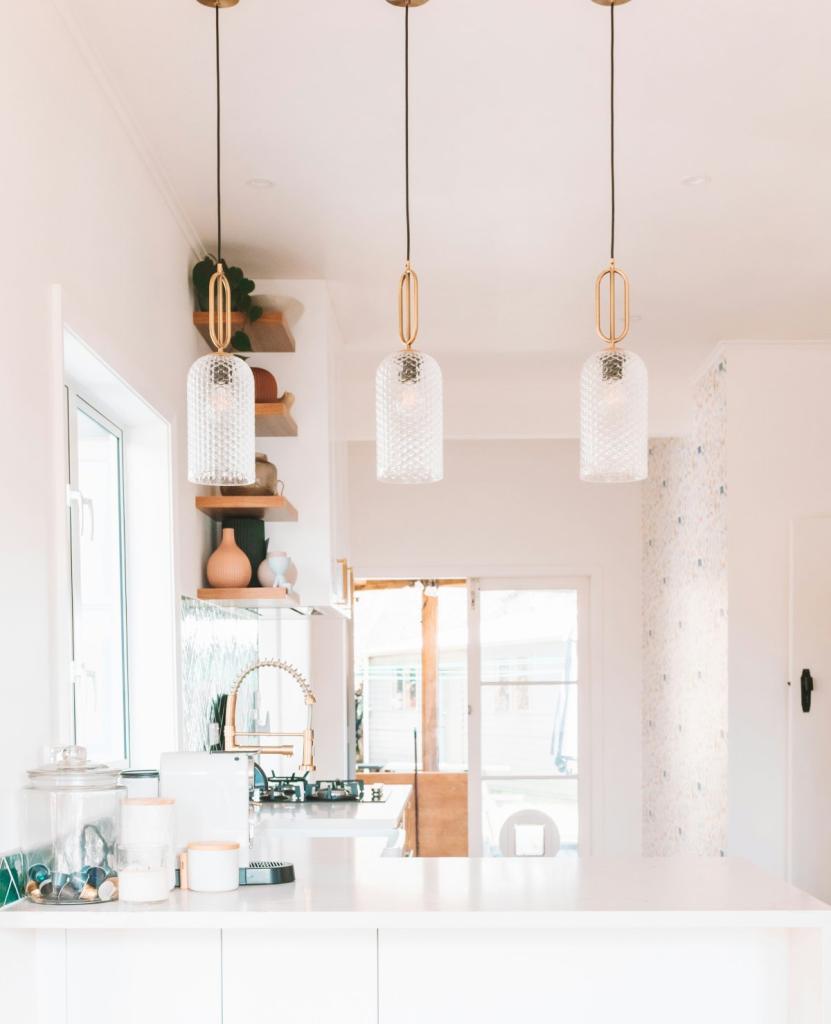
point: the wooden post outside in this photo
(430, 683)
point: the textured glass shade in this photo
(409, 419)
(220, 421)
(614, 430)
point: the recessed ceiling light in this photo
(696, 180)
(260, 183)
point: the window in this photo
(528, 673)
(95, 499)
(486, 676)
(407, 631)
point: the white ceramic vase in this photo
(273, 568)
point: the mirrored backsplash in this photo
(217, 644)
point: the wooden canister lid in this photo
(148, 801)
(213, 847)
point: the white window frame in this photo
(76, 522)
(580, 584)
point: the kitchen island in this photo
(363, 939)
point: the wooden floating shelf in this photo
(250, 597)
(274, 419)
(273, 509)
(270, 333)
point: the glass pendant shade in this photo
(221, 421)
(409, 419)
(614, 430)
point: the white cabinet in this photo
(586, 975)
(178, 976)
(317, 976)
(143, 977)
(312, 465)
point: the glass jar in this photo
(70, 829)
(144, 871)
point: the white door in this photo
(528, 686)
(809, 832)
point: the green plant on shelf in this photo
(241, 302)
(216, 718)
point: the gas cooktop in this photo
(295, 789)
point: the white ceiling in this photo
(509, 168)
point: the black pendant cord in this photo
(612, 123)
(218, 157)
(407, 121)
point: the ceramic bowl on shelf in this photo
(265, 484)
(265, 385)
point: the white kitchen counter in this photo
(348, 885)
(364, 939)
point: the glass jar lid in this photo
(68, 768)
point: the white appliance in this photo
(211, 793)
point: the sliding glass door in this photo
(528, 672)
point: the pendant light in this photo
(408, 384)
(614, 428)
(220, 385)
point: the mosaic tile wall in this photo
(685, 634)
(11, 878)
(217, 644)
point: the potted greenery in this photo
(241, 302)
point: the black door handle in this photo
(806, 681)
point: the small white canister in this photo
(210, 867)
(148, 821)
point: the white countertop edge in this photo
(140, 919)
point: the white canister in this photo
(148, 821)
(210, 867)
(143, 873)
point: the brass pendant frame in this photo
(218, 3)
(612, 273)
(219, 309)
(408, 306)
(407, 3)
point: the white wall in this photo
(778, 469)
(80, 209)
(518, 508)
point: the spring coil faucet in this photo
(232, 734)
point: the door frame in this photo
(76, 403)
(582, 585)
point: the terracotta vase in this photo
(228, 566)
(265, 385)
(250, 536)
(266, 482)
